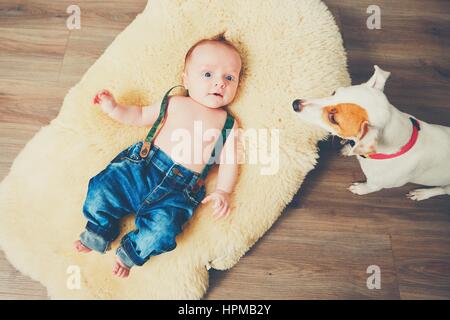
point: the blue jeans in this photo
(162, 194)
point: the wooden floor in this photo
(327, 237)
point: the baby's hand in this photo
(221, 205)
(106, 100)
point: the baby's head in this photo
(212, 69)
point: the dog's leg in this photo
(422, 194)
(361, 188)
(347, 150)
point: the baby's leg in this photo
(155, 234)
(115, 192)
(108, 200)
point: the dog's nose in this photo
(297, 105)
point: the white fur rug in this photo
(290, 49)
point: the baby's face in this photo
(212, 74)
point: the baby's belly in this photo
(193, 156)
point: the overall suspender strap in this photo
(218, 147)
(157, 125)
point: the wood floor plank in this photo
(25, 106)
(52, 15)
(12, 141)
(309, 265)
(27, 101)
(423, 265)
(323, 242)
(27, 54)
(85, 46)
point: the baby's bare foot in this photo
(120, 270)
(81, 247)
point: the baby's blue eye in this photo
(229, 78)
(207, 74)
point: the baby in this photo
(150, 177)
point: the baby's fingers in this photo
(102, 94)
(217, 203)
(227, 212)
(106, 93)
(223, 211)
(206, 199)
(96, 99)
(217, 208)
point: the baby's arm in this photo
(228, 169)
(228, 173)
(131, 115)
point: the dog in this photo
(393, 148)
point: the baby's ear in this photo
(185, 85)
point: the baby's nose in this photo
(220, 81)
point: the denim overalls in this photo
(143, 179)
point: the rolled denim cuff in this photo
(94, 241)
(127, 247)
(123, 256)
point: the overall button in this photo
(177, 172)
(197, 185)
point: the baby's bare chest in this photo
(195, 124)
(189, 138)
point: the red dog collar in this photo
(404, 149)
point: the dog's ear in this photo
(366, 142)
(378, 79)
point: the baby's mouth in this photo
(217, 94)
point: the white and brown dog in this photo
(392, 147)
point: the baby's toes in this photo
(120, 270)
(126, 273)
(105, 93)
(96, 99)
(116, 268)
(80, 247)
(123, 273)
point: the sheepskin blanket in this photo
(290, 49)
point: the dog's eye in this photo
(331, 117)
(334, 92)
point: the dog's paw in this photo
(357, 188)
(360, 188)
(420, 194)
(347, 150)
